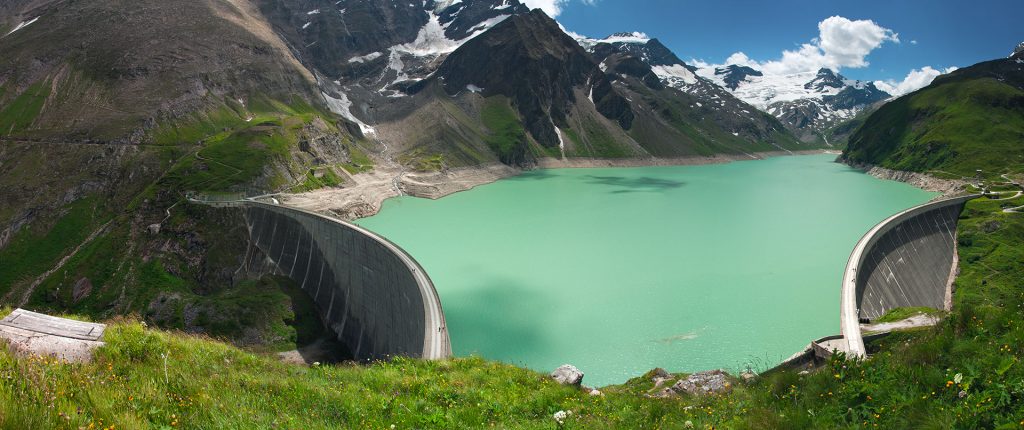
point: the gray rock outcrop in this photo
(567, 374)
(703, 383)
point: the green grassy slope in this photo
(186, 276)
(145, 378)
(20, 112)
(972, 119)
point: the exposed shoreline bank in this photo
(924, 181)
(364, 197)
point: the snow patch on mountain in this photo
(444, 4)
(430, 41)
(341, 105)
(22, 25)
(633, 37)
(589, 43)
(676, 72)
(365, 58)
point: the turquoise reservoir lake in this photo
(620, 270)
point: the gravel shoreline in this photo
(364, 193)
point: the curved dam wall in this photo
(909, 259)
(377, 299)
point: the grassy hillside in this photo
(964, 373)
(110, 111)
(972, 119)
(96, 256)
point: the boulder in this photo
(659, 376)
(568, 374)
(154, 229)
(659, 373)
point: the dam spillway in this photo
(376, 298)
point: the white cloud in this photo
(841, 42)
(550, 7)
(846, 43)
(915, 80)
(913, 42)
(553, 7)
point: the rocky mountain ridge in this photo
(809, 104)
(468, 48)
(1018, 52)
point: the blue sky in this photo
(935, 33)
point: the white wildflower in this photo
(560, 416)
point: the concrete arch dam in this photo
(374, 295)
(907, 260)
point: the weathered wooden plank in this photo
(40, 323)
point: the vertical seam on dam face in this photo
(380, 303)
(904, 261)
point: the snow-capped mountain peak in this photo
(662, 61)
(733, 74)
(1018, 52)
(763, 90)
(631, 37)
(825, 78)
(811, 101)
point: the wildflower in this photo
(689, 424)
(560, 416)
